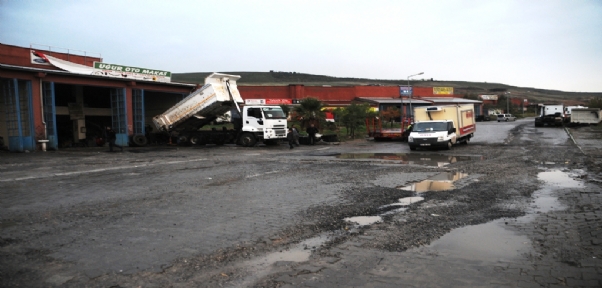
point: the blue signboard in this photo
(405, 90)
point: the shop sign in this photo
(254, 101)
(405, 90)
(278, 101)
(114, 70)
(443, 90)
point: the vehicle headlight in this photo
(440, 138)
(410, 139)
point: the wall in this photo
(331, 95)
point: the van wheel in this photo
(449, 145)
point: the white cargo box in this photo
(585, 115)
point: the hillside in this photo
(272, 78)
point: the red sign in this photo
(278, 101)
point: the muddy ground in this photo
(229, 216)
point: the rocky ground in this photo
(502, 224)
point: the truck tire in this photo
(449, 145)
(183, 141)
(139, 140)
(196, 140)
(247, 140)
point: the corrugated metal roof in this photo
(439, 100)
(61, 72)
(392, 100)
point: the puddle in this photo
(263, 266)
(485, 242)
(437, 160)
(557, 178)
(544, 199)
(364, 220)
(409, 200)
(492, 241)
(440, 182)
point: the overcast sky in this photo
(549, 44)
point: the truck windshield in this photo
(429, 126)
(273, 113)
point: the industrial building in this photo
(53, 98)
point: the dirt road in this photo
(518, 206)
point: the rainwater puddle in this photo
(263, 266)
(544, 199)
(437, 160)
(557, 178)
(492, 241)
(484, 242)
(410, 200)
(440, 182)
(364, 220)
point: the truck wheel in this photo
(196, 140)
(183, 141)
(449, 145)
(247, 140)
(139, 140)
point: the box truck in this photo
(442, 126)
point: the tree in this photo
(286, 109)
(309, 112)
(354, 116)
(390, 114)
(595, 103)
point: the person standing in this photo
(112, 137)
(290, 136)
(296, 135)
(312, 131)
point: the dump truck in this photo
(442, 126)
(218, 97)
(550, 114)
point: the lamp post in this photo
(411, 92)
(507, 103)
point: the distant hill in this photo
(273, 78)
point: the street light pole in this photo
(411, 92)
(507, 103)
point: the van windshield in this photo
(429, 126)
(273, 113)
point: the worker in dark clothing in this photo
(290, 136)
(296, 134)
(111, 137)
(312, 131)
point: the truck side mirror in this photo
(260, 122)
(451, 130)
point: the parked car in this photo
(505, 117)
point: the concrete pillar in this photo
(79, 125)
